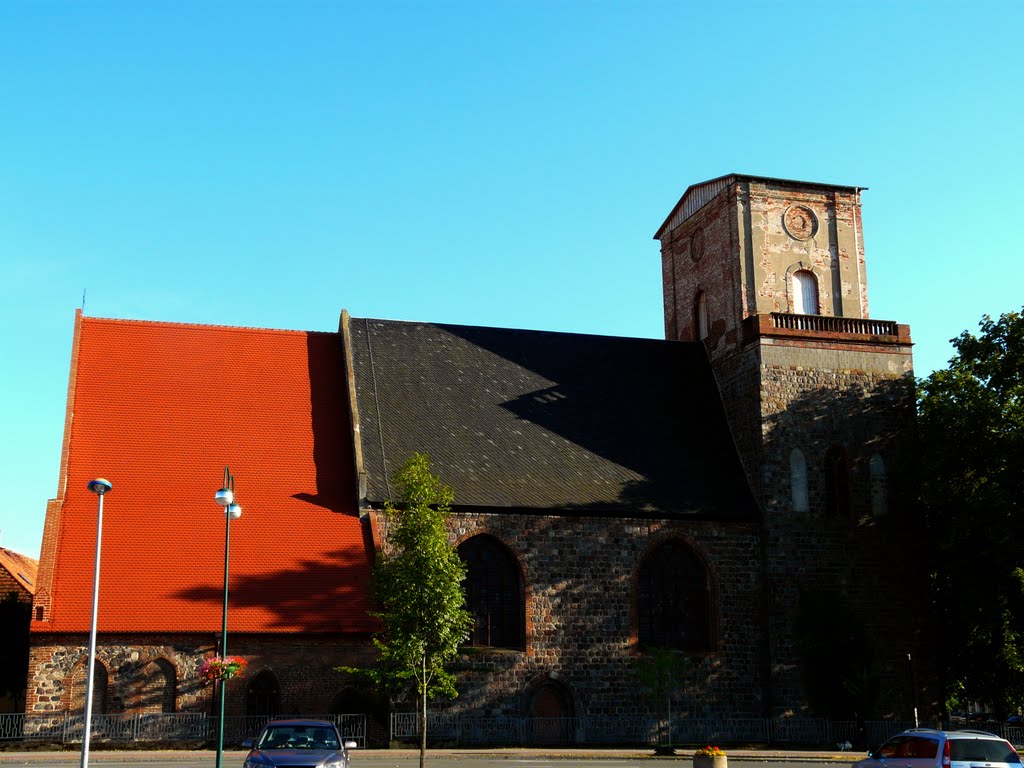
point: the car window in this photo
(988, 750)
(276, 738)
(894, 747)
(922, 747)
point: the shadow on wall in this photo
(836, 507)
(336, 487)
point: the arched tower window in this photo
(494, 593)
(673, 599)
(263, 695)
(837, 482)
(157, 690)
(879, 489)
(798, 480)
(805, 292)
(700, 315)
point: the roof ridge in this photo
(537, 331)
(200, 326)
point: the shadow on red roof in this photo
(159, 410)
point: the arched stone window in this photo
(494, 593)
(700, 315)
(157, 688)
(837, 483)
(551, 713)
(879, 488)
(673, 599)
(263, 695)
(99, 687)
(798, 480)
(805, 293)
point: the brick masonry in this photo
(579, 572)
(304, 668)
(579, 575)
(821, 391)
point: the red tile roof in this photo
(159, 409)
(21, 567)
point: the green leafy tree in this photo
(661, 672)
(968, 450)
(15, 615)
(417, 582)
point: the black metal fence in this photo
(648, 731)
(67, 727)
(459, 730)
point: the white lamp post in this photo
(225, 497)
(99, 487)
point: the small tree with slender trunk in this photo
(662, 672)
(417, 582)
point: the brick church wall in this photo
(580, 615)
(304, 667)
(809, 404)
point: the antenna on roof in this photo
(83, 301)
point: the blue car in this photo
(307, 743)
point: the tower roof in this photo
(697, 196)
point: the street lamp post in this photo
(99, 487)
(225, 497)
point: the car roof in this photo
(311, 723)
(959, 734)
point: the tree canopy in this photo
(417, 582)
(968, 450)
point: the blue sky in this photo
(490, 163)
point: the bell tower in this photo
(770, 275)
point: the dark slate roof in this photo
(533, 420)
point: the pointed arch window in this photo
(157, 690)
(837, 483)
(798, 480)
(879, 488)
(263, 695)
(700, 315)
(494, 593)
(99, 687)
(805, 293)
(673, 599)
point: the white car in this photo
(926, 748)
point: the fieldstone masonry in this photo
(579, 578)
(731, 248)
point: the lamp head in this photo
(99, 486)
(224, 497)
(233, 511)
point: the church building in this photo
(611, 494)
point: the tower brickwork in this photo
(770, 275)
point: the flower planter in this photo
(710, 761)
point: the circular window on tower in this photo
(697, 244)
(800, 222)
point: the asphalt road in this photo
(446, 759)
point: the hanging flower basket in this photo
(222, 669)
(710, 757)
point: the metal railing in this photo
(863, 326)
(67, 727)
(639, 730)
(459, 730)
